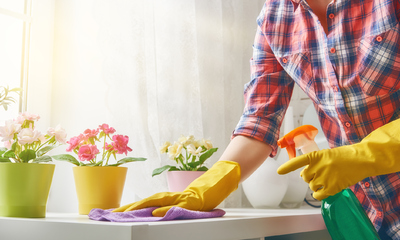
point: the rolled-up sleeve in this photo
(266, 96)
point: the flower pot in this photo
(99, 187)
(24, 189)
(265, 188)
(179, 180)
(297, 187)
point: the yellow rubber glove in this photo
(203, 194)
(330, 171)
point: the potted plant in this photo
(25, 175)
(189, 154)
(5, 99)
(99, 182)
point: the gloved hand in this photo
(331, 170)
(203, 194)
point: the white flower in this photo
(185, 141)
(206, 143)
(59, 133)
(9, 129)
(28, 135)
(164, 147)
(192, 150)
(174, 150)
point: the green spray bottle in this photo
(343, 214)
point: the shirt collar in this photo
(295, 4)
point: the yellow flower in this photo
(174, 150)
(192, 150)
(206, 143)
(185, 141)
(197, 144)
(164, 147)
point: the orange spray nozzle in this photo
(301, 138)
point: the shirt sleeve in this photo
(266, 96)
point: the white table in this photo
(236, 224)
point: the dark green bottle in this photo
(346, 219)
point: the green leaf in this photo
(14, 146)
(158, 171)
(9, 154)
(102, 134)
(42, 159)
(207, 154)
(173, 168)
(128, 160)
(202, 168)
(89, 164)
(45, 150)
(67, 158)
(3, 149)
(194, 165)
(27, 155)
(99, 163)
(4, 159)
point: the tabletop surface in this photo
(238, 223)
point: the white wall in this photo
(151, 69)
(41, 61)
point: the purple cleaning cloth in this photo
(144, 215)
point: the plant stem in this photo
(183, 163)
(44, 144)
(104, 148)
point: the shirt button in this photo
(347, 124)
(284, 60)
(331, 16)
(333, 50)
(379, 38)
(366, 184)
(379, 214)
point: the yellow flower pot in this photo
(99, 187)
(24, 189)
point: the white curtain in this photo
(153, 70)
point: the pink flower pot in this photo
(179, 180)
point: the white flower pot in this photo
(297, 188)
(265, 188)
(296, 191)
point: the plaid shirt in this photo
(352, 75)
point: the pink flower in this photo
(106, 129)
(120, 144)
(59, 133)
(27, 116)
(8, 144)
(108, 147)
(73, 143)
(87, 152)
(83, 138)
(91, 133)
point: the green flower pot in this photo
(24, 189)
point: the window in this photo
(15, 24)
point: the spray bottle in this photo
(343, 214)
